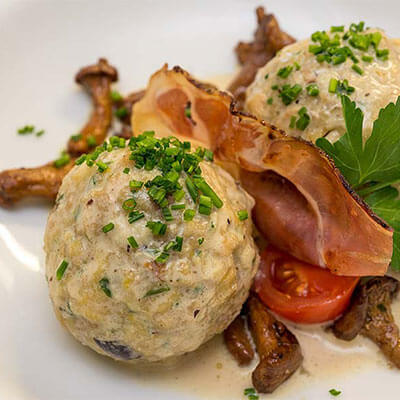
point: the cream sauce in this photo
(212, 373)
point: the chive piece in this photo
(205, 201)
(248, 391)
(104, 283)
(129, 204)
(63, 160)
(266, 76)
(179, 195)
(169, 246)
(200, 241)
(208, 155)
(40, 133)
(335, 392)
(376, 39)
(162, 258)
(285, 71)
(188, 215)
(116, 96)
(157, 227)
(107, 228)
(312, 89)
(167, 214)
(333, 83)
(270, 100)
(191, 189)
(101, 166)
(91, 141)
(81, 159)
(178, 243)
(274, 87)
(155, 291)
(135, 216)
(304, 119)
(126, 170)
(208, 191)
(292, 122)
(337, 28)
(243, 215)
(382, 54)
(356, 68)
(290, 93)
(121, 112)
(76, 138)
(188, 111)
(27, 129)
(132, 242)
(178, 207)
(61, 269)
(367, 59)
(135, 185)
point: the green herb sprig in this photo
(372, 167)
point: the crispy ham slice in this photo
(303, 205)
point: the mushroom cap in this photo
(101, 68)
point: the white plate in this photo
(42, 44)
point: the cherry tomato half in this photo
(301, 292)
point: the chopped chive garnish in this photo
(40, 133)
(157, 227)
(312, 89)
(304, 119)
(81, 159)
(297, 66)
(121, 112)
(208, 155)
(162, 258)
(129, 204)
(107, 228)
(270, 100)
(126, 171)
(135, 185)
(337, 28)
(243, 215)
(155, 291)
(285, 71)
(179, 195)
(382, 54)
(274, 87)
(356, 68)
(132, 242)
(63, 160)
(101, 166)
(335, 392)
(333, 83)
(77, 137)
(178, 207)
(169, 246)
(367, 59)
(191, 189)
(178, 243)
(288, 93)
(27, 129)
(206, 189)
(135, 216)
(188, 215)
(167, 214)
(91, 141)
(61, 269)
(200, 241)
(266, 76)
(116, 96)
(104, 285)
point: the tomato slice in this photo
(301, 292)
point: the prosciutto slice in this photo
(303, 205)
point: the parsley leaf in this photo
(372, 168)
